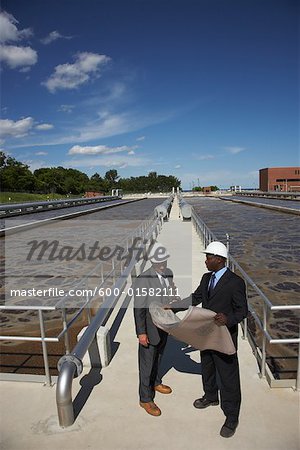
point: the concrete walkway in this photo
(110, 417)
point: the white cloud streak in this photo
(205, 157)
(71, 76)
(44, 126)
(99, 150)
(112, 162)
(235, 150)
(66, 108)
(53, 36)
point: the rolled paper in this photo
(197, 328)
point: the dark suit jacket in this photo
(142, 299)
(228, 297)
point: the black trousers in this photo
(149, 360)
(220, 372)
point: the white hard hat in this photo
(158, 253)
(217, 248)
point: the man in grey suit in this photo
(153, 285)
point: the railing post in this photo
(298, 371)
(245, 334)
(65, 325)
(263, 359)
(44, 348)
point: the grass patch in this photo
(19, 197)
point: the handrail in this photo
(12, 209)
(207, 236)
(61, 304)
(71, 364)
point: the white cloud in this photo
(205, 157)
(98, 150)
(66, 108)
(41, 153)
(44, 126)
(131, 152)
(34, 165)
(15, 56)
(119, 162)
(53, 36)
(177, 166)
(71, 76)
(235, 150)
(105, 125)
(141, 138)
(8, 30)
(20, 128)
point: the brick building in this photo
(284, 179)
(90, 194)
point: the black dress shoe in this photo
(228, 429)
(203, 402)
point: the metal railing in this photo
(70, 365)
(15, 209)
(100, 277)
(208, 236)
(294, 195)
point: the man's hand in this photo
(220, 319)
(143, 340)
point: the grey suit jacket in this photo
(147, 289)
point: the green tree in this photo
(112, 176)
(15, 176)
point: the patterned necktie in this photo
(211, 285)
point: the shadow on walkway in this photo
(94, 377)
(176, 355)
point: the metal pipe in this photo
(64, 394)
(27, 338)
(284, 341)
(283, 307)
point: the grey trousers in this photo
(149, 360)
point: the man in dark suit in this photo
(153, 285)
(224, 292)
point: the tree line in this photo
(16, 176)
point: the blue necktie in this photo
(211, 285)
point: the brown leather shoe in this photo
(151, 408)
(163, 389)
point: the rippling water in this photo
(110, 227)
(294, 204)
(266, 244)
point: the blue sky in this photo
(205, 90)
